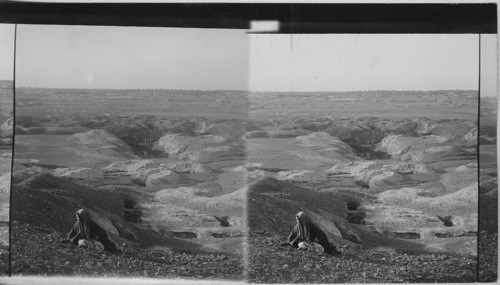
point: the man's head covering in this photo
(303, 222)
(83, 221)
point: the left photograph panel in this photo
(7, 34)
(128, 152)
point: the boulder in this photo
(105, 223)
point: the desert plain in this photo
(205, 184)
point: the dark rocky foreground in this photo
(4, 261)
(33, 242)
(271, 263)
(488, 257)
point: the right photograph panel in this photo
(363, 157)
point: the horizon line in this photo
(250, 91)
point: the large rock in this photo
(326, 145)
(105, 223)
(79, 173)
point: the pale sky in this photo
(208, 59)
(7, 32)
(351, 62)
(489, 67)
(131, 57)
